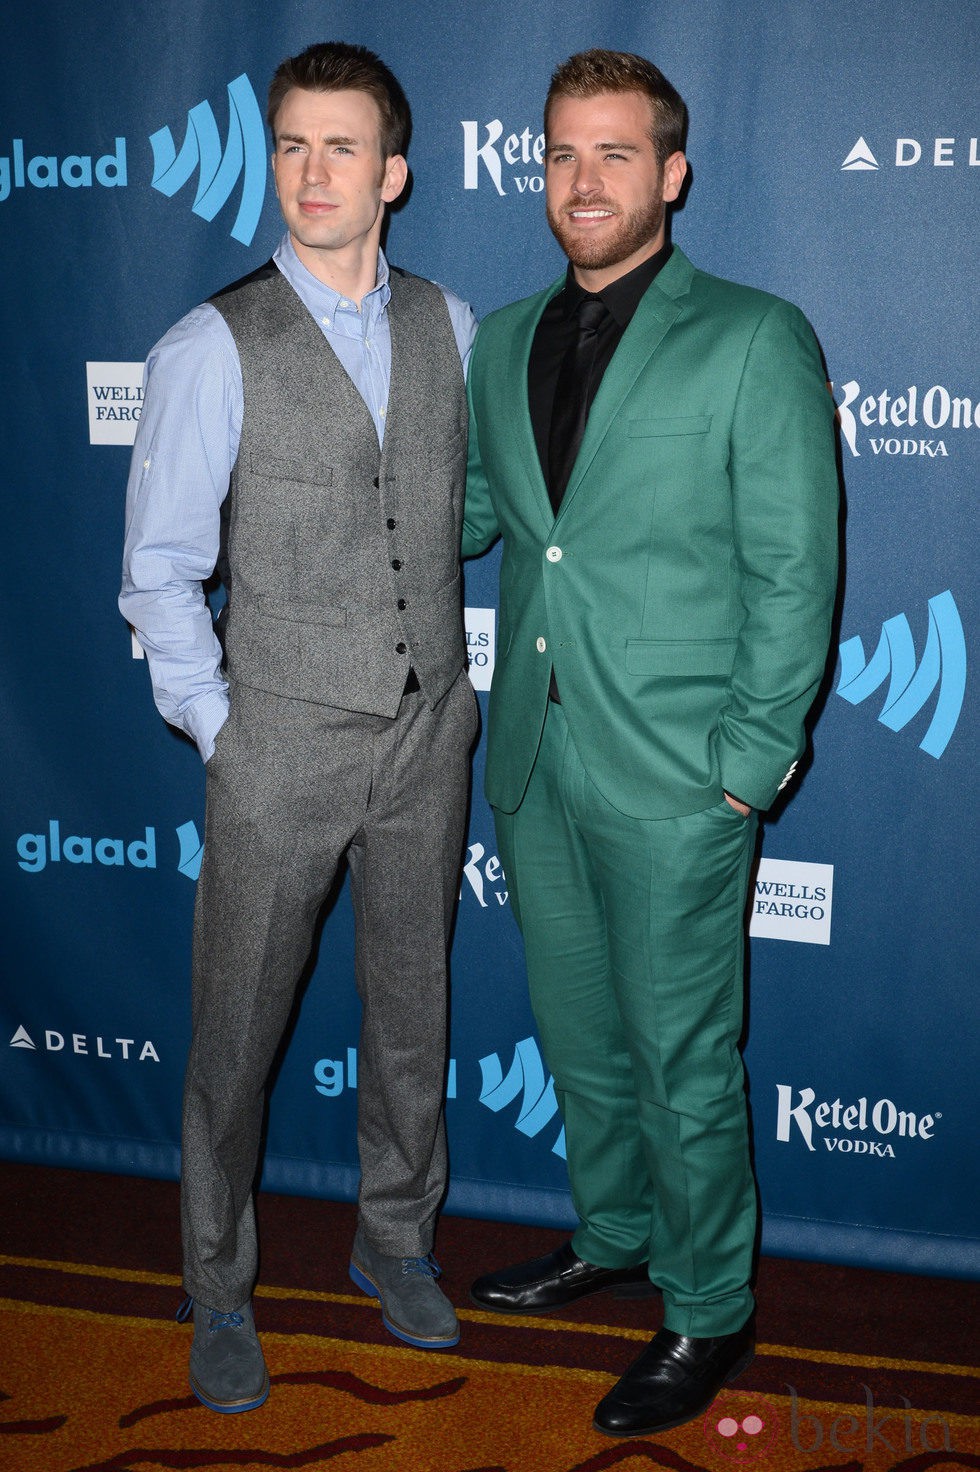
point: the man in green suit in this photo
(655, 448)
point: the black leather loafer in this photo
(552, 1281)
(674, 1380)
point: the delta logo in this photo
(82, 1045)
(906, 153)
(220, 167)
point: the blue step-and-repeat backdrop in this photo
(836, 161)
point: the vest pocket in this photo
(296, 611)
(274, 467)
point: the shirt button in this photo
(391, 522)
(553, 554)
(401, 647)
(383, 410)
(396, 563)
(146, 464)
(540, 644)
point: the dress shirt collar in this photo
(622, 296)
(326, 304)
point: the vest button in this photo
(396, 563)
(391, 523)
(401, 647)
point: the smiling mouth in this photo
(592, 212)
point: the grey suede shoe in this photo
(228, 1372)
(413, 1307)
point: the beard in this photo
(626, 234)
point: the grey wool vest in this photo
(342, 560)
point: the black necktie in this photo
(571, 406)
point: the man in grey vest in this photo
(310, 421)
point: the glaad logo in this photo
(943, 664)
(942, 153)
(76, 170)
(36, 850)
(333, 1075)
(526, 1077)
(191, 850)
(244, 157)
(54, 1042)
(936, 408)
(517, 150)
(883, 1119)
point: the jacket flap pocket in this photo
(686, 424)
(679, 656)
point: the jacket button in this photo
(377, 482)
(553, 554)
(540, 644)
(391, 523)
(396, 563)
(402, 603)
(401, 647)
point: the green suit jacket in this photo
(684, 591)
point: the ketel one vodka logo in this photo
(857, 1128)
(905, 421)
(507, 161)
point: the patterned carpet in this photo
(855, 1370)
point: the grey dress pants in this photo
(292, 788)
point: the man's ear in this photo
(394, 179)
(675, 170)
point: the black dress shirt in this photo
(556, 331)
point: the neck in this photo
(598, 278)
(351, 271)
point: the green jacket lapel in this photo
(657, 312)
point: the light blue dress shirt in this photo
(185, 448)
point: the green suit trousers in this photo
(634, 936)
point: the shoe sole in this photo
(737, 1369)
(368, 1286)
(231, 1408)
